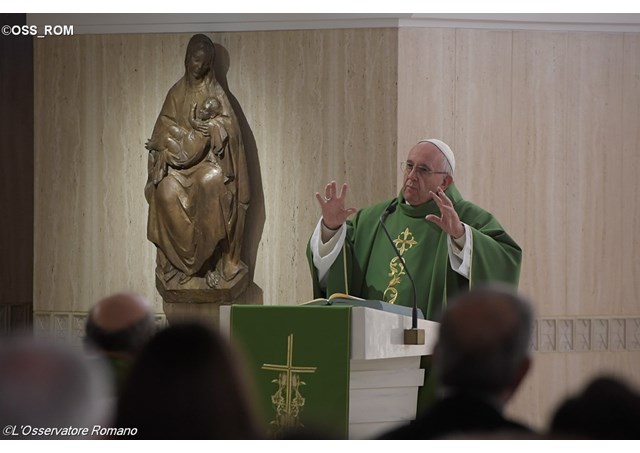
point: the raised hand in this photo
(333, 212)
(448, 220)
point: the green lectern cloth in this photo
(299, 360)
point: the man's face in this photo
(416, 185)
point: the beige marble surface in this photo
(629, 168)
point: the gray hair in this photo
(46, 384)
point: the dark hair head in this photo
(186, 385)
(606, 409)
(484, 339)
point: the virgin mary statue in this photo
(196, 211)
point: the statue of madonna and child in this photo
(197, 186)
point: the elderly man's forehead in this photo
(425, 153)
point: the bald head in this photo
(120, 311)
(121, 322)
(484, 340)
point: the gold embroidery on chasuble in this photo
(287, 400)
(404, 242)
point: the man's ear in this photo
(446, 182)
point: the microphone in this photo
(413, 335)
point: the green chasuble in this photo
(367, 266)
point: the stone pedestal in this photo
(207, 313)
(195, 299)
(197, 291)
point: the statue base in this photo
(196, 300)
(197, 291)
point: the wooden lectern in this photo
(382, 373)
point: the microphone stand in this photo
(414, 335)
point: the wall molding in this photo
(546, 22)
(232, 22)
(68, 327)
(15, 317)
(583, 334)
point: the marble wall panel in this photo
(538, 186)
(426, 84)
(595, 209)
(627, 182)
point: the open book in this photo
(341, 299)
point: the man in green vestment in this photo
(448, 243)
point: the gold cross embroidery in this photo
(406, 240)
(403, 242)
(288, 408)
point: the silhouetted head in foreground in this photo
(606, 409)
(117, 328)
(47, 385)
(483, 343)
(481, 357)
(186, 385)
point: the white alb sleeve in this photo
(324, 254)
(461, 259)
